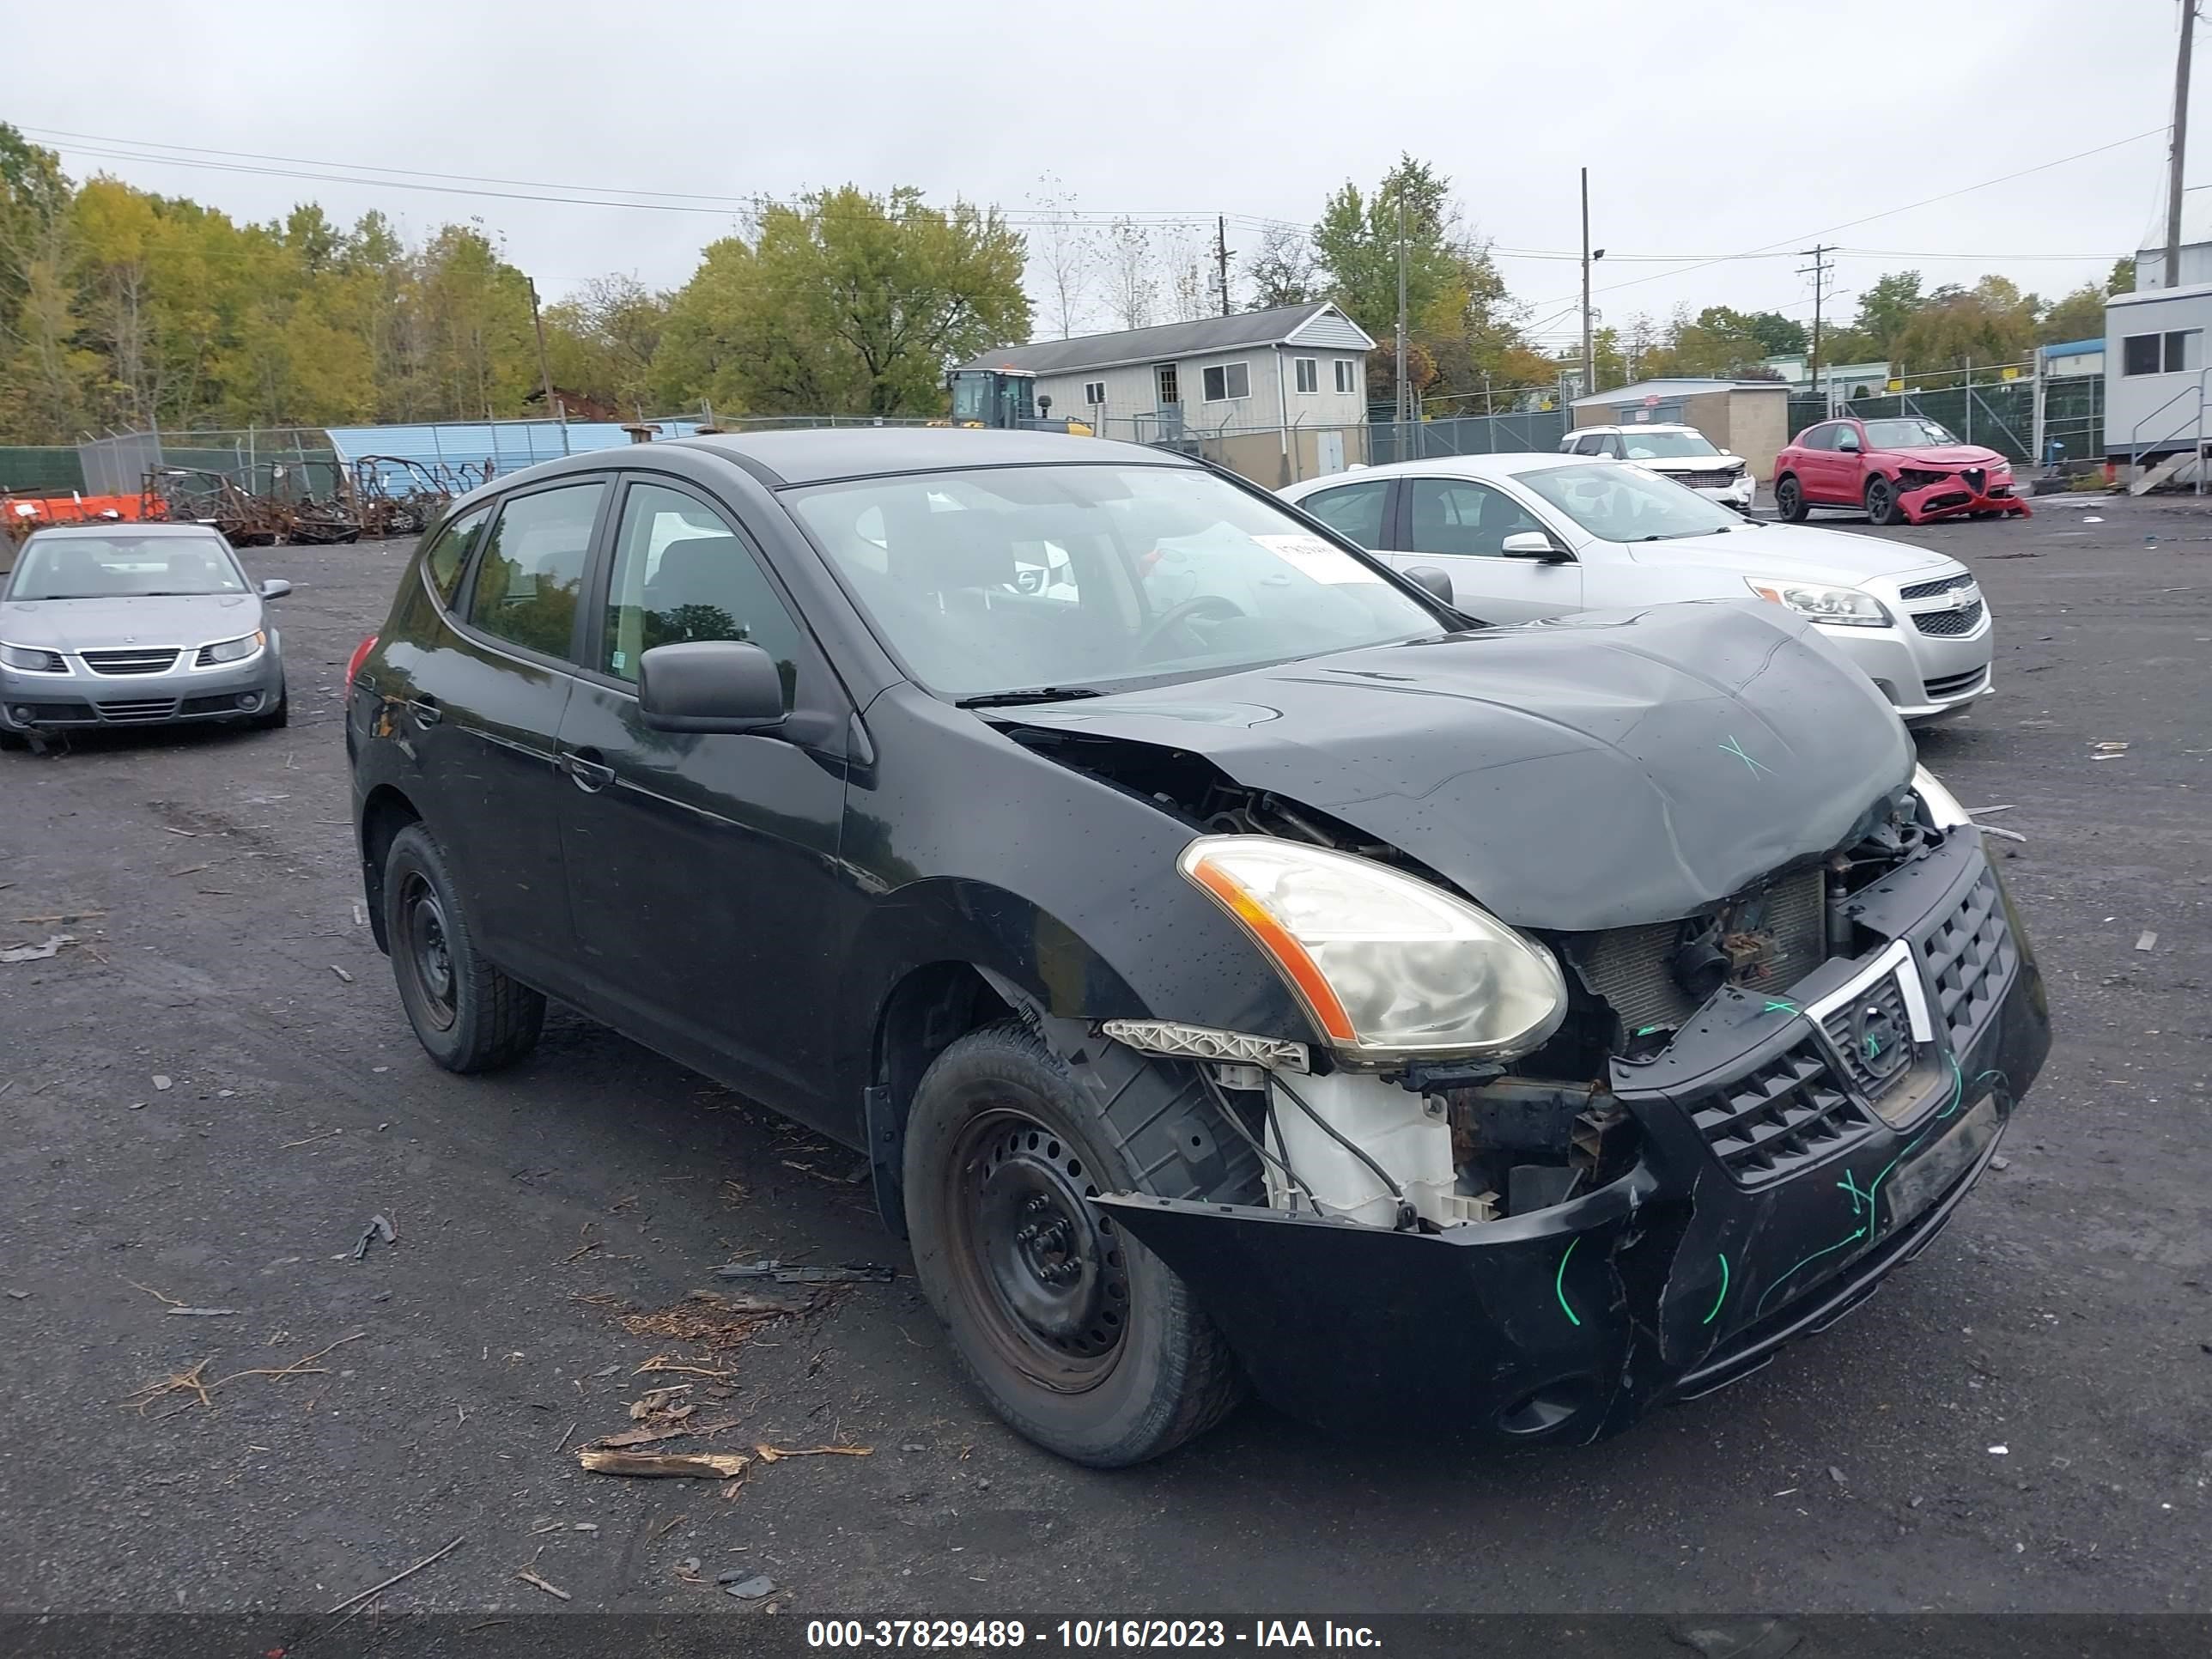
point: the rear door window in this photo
(1354, 511)
(531, 572)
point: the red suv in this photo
(1905, 470)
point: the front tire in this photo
(1789, 498)
(468, 1016)
(1883, 507)
(1076, 1335)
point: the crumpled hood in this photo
(148, 620)
(1602, 769)
(1947, 457)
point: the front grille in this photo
(1956, 685)
(1716, 479)
(1970, 959)
(130, 662)
(1975, 477)
(1929, 590)
(1771, 1123)
(1949, 621)
(127, 714)
(1888, 999)
(1633, 968)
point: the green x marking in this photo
(1732, 747)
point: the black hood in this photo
(1606, 769)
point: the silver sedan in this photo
(1525, 536)
(135, 624)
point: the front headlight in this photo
(32, 661)
(1846, 605)
(237, 650)
(1943, 809)
(1386, 964)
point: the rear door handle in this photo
(425, 710)
(586, 770)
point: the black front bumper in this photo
(1691, 1271)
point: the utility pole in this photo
(553, 409)
(1589, 359)
(2180, 145)
(1221, 257)
(1403, 402)
(1818, 271)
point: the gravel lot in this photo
(206, 1098)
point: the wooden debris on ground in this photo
(529, 1577)
(668, 1466)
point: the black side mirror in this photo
(274, 587)
(1534, 544)
(1438, 583)
(710, 685)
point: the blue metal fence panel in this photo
(488, 448)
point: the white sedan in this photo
(1525, 536)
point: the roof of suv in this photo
(128, 527)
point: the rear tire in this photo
(468, 1016)
(1789, 498)
(1881, 501)
(1076, 1335)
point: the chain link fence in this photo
(1538, 430)
(2017, 417)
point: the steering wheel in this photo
(1196, 606)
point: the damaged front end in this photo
(1728, 1131)
(1927, 495)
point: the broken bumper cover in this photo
(1680, 1277)
(1948, 498)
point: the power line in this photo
(565, 194)
(1764, 248)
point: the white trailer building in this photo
(2156, 392)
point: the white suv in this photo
(1680, 452)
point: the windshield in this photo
(1627, 504)
(1906, 434)
(123, 566)
(1010, 579)
(1666, 445)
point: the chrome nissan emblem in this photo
(1877, 1043)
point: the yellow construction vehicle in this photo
(1004, 399)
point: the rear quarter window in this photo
(447, 557)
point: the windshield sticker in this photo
(1314, 557)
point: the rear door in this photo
(485, 713)
(702, 868)
(1459, 526)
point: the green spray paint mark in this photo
(1866, 1227)
(1732, 747)
(1778, 1006)
(1647, 1029)
(1722, 1297)
(1559, 1283)
(1873, 1045)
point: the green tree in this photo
(1717, 342)
(2123, 279)
(1780, 335)
(2077, 316)
(1990, 323)
(1356, 242)
(1887, 305)
(600, 341)
(847, 303)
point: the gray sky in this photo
(1710, 127)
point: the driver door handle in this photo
(587, 770)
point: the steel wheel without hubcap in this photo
(1042, 1272)
(427, 954)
